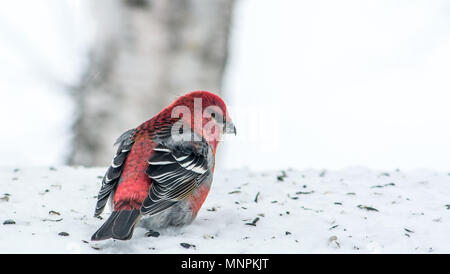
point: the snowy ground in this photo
(355, 210)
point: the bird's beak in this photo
(230, 128)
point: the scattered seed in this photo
(208, 237)
(368, 208)
(52, 212)
(234, 192)
(50, 220)
(351, 193)
(385, 185)
(281, 177)
(333, 227)
(288, 233)
(9, 222)
(186, 245)
(332, 241)
(211, 209)
(407, 230)
(63, 234)
(338, 203)
(305, 192)
(152, 233)
(253, 223)
(52, 168)
(257, 196)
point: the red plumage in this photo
(157, 174)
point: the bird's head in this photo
(206, 113)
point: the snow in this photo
(329, 213)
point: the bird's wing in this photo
(112, 176)
(176, 171)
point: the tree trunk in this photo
(145, 54)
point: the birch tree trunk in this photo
(145, 54)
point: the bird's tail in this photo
(120, 225)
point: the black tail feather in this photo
(120, 225)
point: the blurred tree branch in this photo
(145, 54)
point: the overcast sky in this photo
(321, 84)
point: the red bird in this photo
(163, 169)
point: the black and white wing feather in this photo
(176, 171)
(112, 176)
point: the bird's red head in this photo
(206, 113)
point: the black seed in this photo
(186, 245)
(368, 208)
(288, 233)
(282, 176)
(152, 233)
(9, 222)
(302, 192)
(257, 196)
(253, 223)
(333, 227)
(63, 234)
